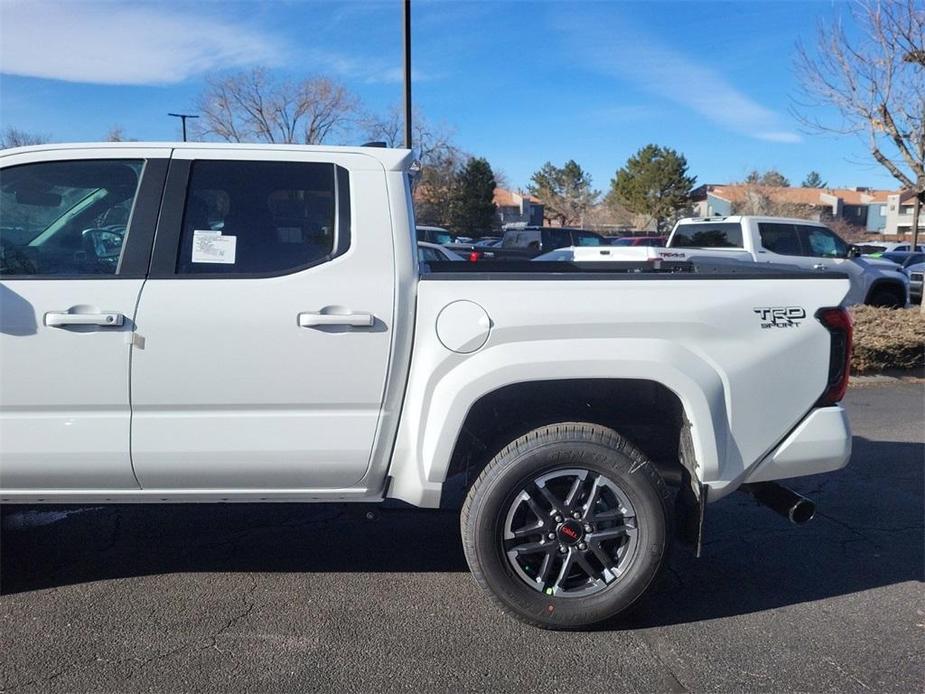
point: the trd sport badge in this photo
(780, 316)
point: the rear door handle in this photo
(354, 320)
(819, 266)
(62, 319)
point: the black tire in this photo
(543, 454)
(885, 297)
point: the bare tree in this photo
(255, 106)
(874, 77)
(435, 189)
(116, 134)
(767, 200)
(432, 142)
(441, 159)
(14, 137)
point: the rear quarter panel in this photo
(743, 386)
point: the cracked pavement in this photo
(287, 597)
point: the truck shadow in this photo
(868, 533)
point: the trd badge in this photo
(780, 316)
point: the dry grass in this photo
(887, 339)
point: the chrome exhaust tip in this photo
(794, 507)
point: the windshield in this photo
(24, 223)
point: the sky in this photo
(520, 83)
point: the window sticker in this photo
(210, 246)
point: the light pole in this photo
(407, 37)
(183, 117)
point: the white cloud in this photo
(675, 77)
(367, 70)
(111, 43)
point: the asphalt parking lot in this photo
(286, 598)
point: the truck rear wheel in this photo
(886, 297)
(567, 526)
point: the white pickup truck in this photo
(205, 323)
(796, 242)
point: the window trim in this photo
(139, 234)
(169, 232)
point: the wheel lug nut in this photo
(558, 519)
(576, 515)
(587, 527)
(563, 549)
(551, 536)
(582, 545)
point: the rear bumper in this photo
(820, 443)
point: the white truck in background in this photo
(190, 322)
(798, 242)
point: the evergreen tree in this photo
(653, 182)
(566, 192)
(814, 180)
(472, 207)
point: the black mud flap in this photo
(691, 502)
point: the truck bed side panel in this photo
(743, 380)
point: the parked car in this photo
(798, 242)
(434, 235)
(434, 252)
(488, 242)
(262, 331)
(470, 251)
(629, 257)
(528, 242)
(915, 271)
(903, 258)
(878, 249)
(638, 241)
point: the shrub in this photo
(887, 338)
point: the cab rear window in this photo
(708, 235)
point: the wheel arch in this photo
(885, 283)
(444, 402)
(647, 413)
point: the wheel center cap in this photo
(570, 532)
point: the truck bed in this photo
(552, 270)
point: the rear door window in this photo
(780, 238)
(259, 217)
(708, 235)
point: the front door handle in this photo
(353, 320)
(63, 319)
(819, 266)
